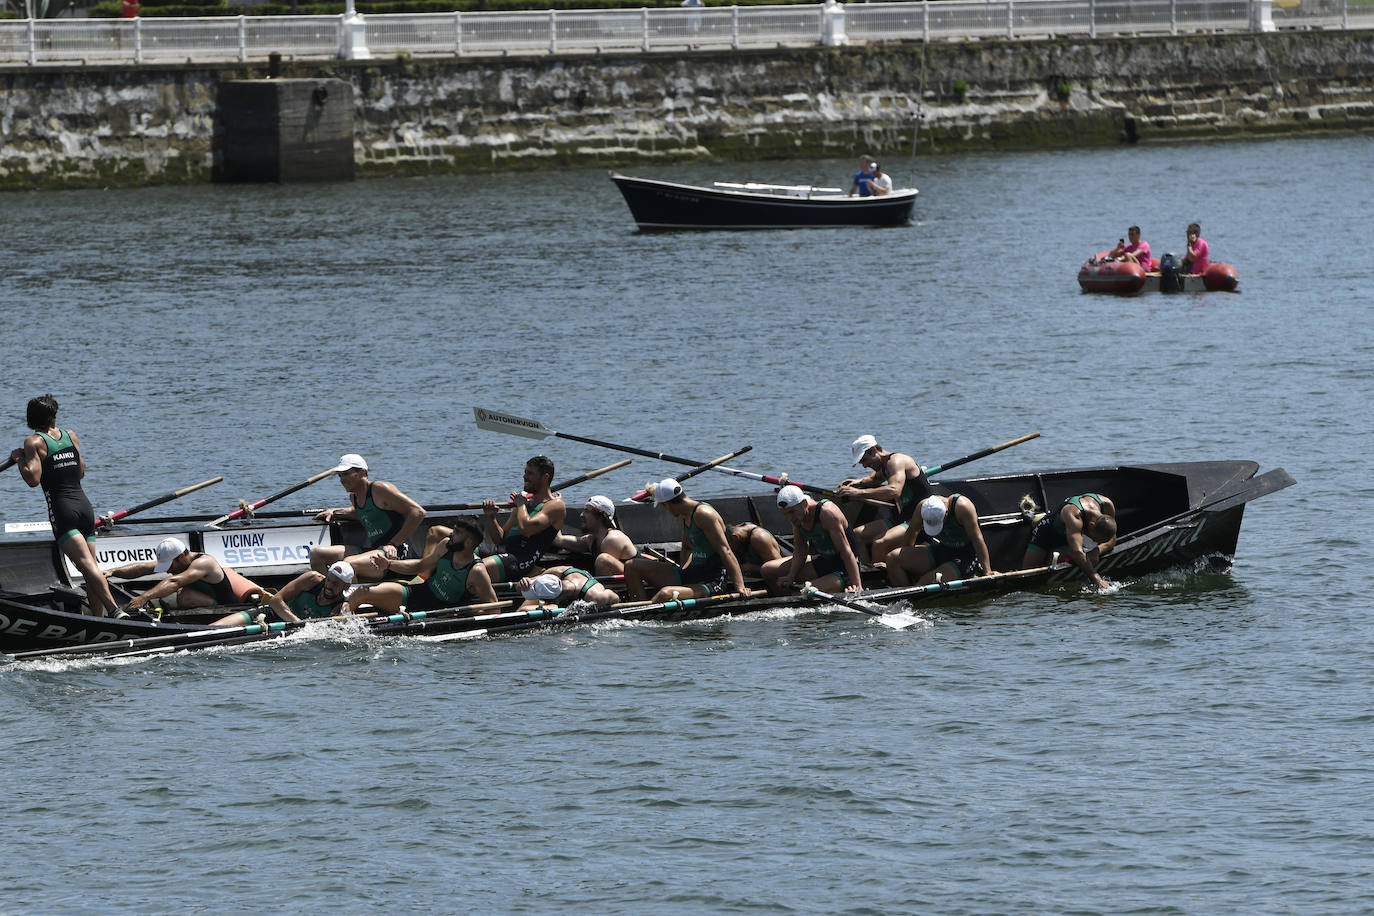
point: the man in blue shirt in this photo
(862, 179)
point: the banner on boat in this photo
(111, 552)
(277, 551)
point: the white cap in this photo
(167, 551)
(666, 490)
(789, 496)
(932, 514)
(342, 570)
(603, 505)
(861, 446)
(544, 588)
(350, 462)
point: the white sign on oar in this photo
(18, 527)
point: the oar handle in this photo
(253, 506)
(8, 463)
(560, 485)
(643, 495)
(106, 520)
(980, 454)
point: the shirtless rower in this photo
(388, 517)
(193, 579)
(893, 477)
(308, 596)
(1086, 516)
(956, 550)
(51, 458)
(531, 527)
(453, 576)
(561, 586)
(823, 557)
(707, 562)
(601, 537)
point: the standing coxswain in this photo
(388, 518)
(51, 459)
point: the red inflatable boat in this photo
(1103, 274)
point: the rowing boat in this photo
(1172, 514)
(738, 205)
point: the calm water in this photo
(1193, 744)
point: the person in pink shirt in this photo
(1196, 261)
(1136, 250)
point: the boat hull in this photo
(1170, 515)
(1101, 275)
(659, 205)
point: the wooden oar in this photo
(172, 640)
(643, 495)
(544, 616)
(931, 472)
(560, 485)
(249, 508)
(106, 521)
(532, 429)
(897, 621)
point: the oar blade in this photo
(497, 422)
(899, 621)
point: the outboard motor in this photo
(1168, 274)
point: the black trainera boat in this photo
(1169, 515)
(668, 205)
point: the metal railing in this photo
(244, 38)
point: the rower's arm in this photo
(479, 584)
(968, 518)
(549, 516)
(715, 533)
(30, 461)
(573, 543)
(834, 522)
(130, 571)
(280, 603)
(388, 497)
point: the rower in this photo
(601, 537)
(893, 477)
(388, 518)
(707, 562)
(956, 549)
(560, 586)
(51, 458)
(753, 545)
(308, 596)
(1083, 530)
(531, 527)
(820, 533)
(193, 580)
(452, 574)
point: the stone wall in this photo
(68, 127)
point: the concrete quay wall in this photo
(100, 126)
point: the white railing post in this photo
(553, 31)
(1262, 15)
(925, 20)
(1173, 17)
(138, 39)
(353, 34)
(458, 33)
(644, 29)
(1092, 18)
(1011, 18)
(33, 42)
(1345, 14)
(243, 38)
(832, 24)
(734, 27)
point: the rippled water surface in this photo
(1196, 743)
